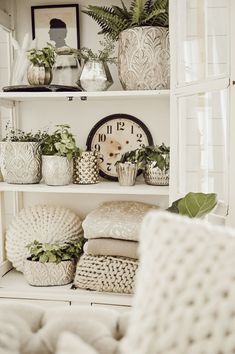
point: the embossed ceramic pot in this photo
(39, 75)
(126, 172)
(155, 176)
(86, 168)
(2, 161)
(95, 76)
(144, 58)
(22, 162)
(49, 274)
(56, 170)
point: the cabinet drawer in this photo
(121, 308)
(43, 303)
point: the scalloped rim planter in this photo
(49, 274)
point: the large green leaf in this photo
(174, 207)
(197, 204)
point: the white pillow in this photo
(71, 344)
(116, 219)
(185, 297)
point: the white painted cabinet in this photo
(193, 117)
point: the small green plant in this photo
(113, 20)
(61, 143)
(134, 156)
(159, 154)
(103, 55)
(43, 57)
(194, 205)
(19, 135)
(54, 252)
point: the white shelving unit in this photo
(100, 188)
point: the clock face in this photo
(114, 135)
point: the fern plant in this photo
(113, 20)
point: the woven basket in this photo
(44, 224)
(49, 274)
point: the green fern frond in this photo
(137, 10)
(153, 15)
(113, 20)
(147, 6)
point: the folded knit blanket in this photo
(111, 247)
(104, 273)
(116, 219)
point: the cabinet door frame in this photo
(220, 82)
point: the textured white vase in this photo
(144, 58)
(2, 161)
(49, 274)
(56, 170)
(22, 162)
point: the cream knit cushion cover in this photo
(185, 299)
(104, 273)
(116, 219)
(42, 223)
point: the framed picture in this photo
(56, 23)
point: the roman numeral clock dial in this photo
(114, 135)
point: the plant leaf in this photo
(197, 204)
(174, 207)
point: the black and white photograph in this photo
(58, 24)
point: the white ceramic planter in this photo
(56, 170)
(155, 176)
(49, 274)
(144, 58)
(86, 168)
(21, 162)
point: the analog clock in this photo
(114, 135)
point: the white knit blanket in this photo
(185, 298)
(105, 273)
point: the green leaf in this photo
(197, 204)
(174, 207)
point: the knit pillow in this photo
(116, 219)
(185, 298)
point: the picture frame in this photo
(56, 23)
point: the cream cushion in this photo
(185, 298)
(116, 219)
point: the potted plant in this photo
(143, 36)
(156, 164)
(95, 74)
(127, 167)
(42, 60)
(57, 153)
(85, 167)
(194, 205)
(51, 264)
(21, 156)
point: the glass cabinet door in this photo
(203, 40)
(200, 70)
(203, 145)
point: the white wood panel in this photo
(118, 308)
(196, 132)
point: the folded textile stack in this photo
(110, 259)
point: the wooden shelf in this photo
(81, 96)
(14, 286)
(100, 188)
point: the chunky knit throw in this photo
(105, 273)
(185, 294)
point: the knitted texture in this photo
(42, 223)
(185, 297)
(116, 219)
(104, 273)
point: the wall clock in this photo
(114, 135)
